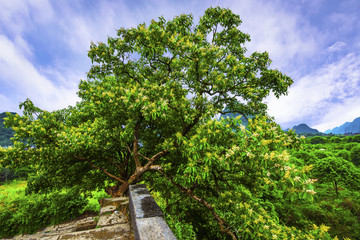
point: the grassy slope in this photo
(17, 207)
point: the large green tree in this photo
(337, 171)
(147, 112)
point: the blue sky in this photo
(44, 44)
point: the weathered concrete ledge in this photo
(146, 216)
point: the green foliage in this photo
(26, 214)
(335, 139)
(252, 201)
(344, 154)
(322, 153)
(147, 112)
(5, 133)
(337, 171)
(356, 138)
(22, 213)
(317, 140)
(355, 155)
(339, 213)
(93, 204)
(6, 174)
(308, 157)
(350, 145)
(337, 200)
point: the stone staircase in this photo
(112, 223)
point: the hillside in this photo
(348, 127)
(244, 120)
(5, 133)
(303, 128)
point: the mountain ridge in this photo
(304, 128)
(5, 133)
(347, 127)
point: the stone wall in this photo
(146, 216)
(147, 222)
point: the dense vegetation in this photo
(335, 163)
(5, 133)
(333, 167)
(148, 113)
(27, 213)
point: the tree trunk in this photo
(119, 191)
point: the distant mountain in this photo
(303, 128)
(5, 133)
(348, 127)
(244, 121)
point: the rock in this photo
(114, 201)
(86, 226)
(120, 231)
(146, 216)
(111, 224)
(111, 219)
(154, 228)
(107, 209)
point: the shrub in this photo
(93, 201)
(26, 214)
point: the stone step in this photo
(112, 223)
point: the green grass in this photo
(20, 213)
(15, 190)
(11, 191)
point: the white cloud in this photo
(21, 16)
(68, 27)
(41, 11)
(17, 73)
(7, 105)
(336, 46)
(340, 113)
(18, 16)
(78, 25)
(285, 34)
(317, 98)
(345, 22)
(12, 15)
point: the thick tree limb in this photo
(155, 167)
(146, 158)
(101, 169)
(154, 158)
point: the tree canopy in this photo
(5, 133)
(148, 112)
(339, 172)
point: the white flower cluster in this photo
(250, 155)
(286, 168)
(312, 192)
(310, 181)
(232, 151)
(242, 128)
(297, 179)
